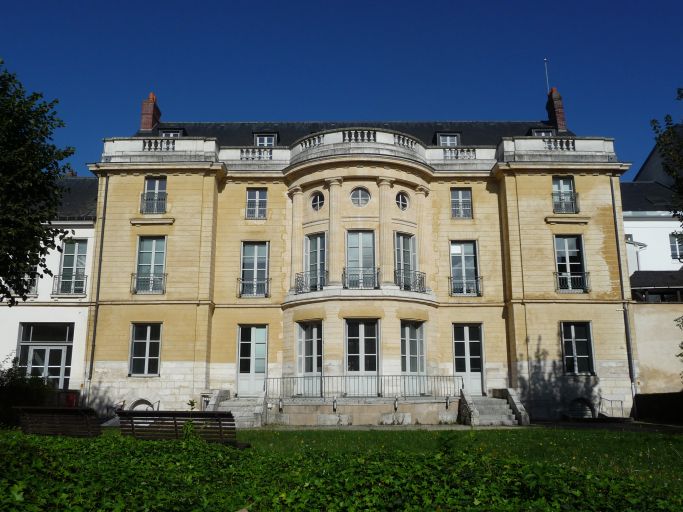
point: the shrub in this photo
(18, 389)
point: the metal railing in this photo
(256, 209)
(472, 287)
(410, 280)
(461, 209)
(610, 407)
(360, 278)
(148, 284)
(572, 282)
(253, 287)
(310, 281)
(70, 284)
(153, 202)
(565, 202)
(341, 386)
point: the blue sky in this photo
(616, 64)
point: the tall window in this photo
(315, 276)
(676, 244)
(45, 351)
(405, 260)
(360, 269)
(72, 278)
(310, 348)
(253, 342)
(264, 139)
(144, 353)
(154, 197)
(571, 276)
(150, 277)
(565, 200)
(576, 343)
(412, 348)
(254, 281)
(361, 345)
(257, 202)
(464, 273)
(461, 203)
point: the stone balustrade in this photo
(359, 136)
(312, 142)
(557, 144)
(256, 154)
(459, 153)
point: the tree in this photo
(30, 165)
(669, 142)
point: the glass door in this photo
(252, 360)
(72, 277)
(315, 262)
(360, 260)
(361, 358)
(467, 349)
(412, 359)
(405, 260)
(464, 278)
(310, 365)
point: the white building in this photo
(48, 331)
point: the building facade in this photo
(300, 266)
(47, 333)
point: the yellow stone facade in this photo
(513, 224)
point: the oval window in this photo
(360, 196)
(317, 200)
(402, 200)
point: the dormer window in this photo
(449, 139)
(264, 140)
(170, 134)
(543, 132)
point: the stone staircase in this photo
(248, 412)
(494, 411)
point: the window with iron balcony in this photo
(153, 199)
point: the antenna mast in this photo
(547, 82)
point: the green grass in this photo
(521, 469)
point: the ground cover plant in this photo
(522, 469)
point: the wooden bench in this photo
(59, 421)
(212, 426)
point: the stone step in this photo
(248, 412)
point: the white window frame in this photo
(568, 275)
(543, 132)
(361, 346)
(264, 140)
(402, 201)
(78, 274)
(260, 200)
(676, 245)
(147, 341)
(360, 197)
(48, 345)
(266, 283)
(317, 200)
(318, 348)
(406, 353)
(170, 134)
(477, 291)
(152, 274)
(458, 202)
(574, 356)
(449, 140)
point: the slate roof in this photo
(657, 279)
(472, 133)
(645, 196)
(79, 199)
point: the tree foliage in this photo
(30, 165)
(669, 141)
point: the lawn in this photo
(520, 469)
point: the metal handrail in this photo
(364, 386)
(253, 287)
(565, 202)
(461, 208)
(310, 281)
(572, 282)
(410, 280)
(360, 278)
(153, 202)
(469, 287)
(148, 284)
(256, 209)
(70, 284)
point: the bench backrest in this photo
(62, 421)
(211, 426)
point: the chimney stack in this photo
(151, 115)
(555, 110)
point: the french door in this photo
(72, 277)
(412, 359)
(360, 260)
(253, 349)
(405, 260)
(315, 261)
(464, 275)
(254, 269)
(310, 362)
(467, 350)
(48, 362)
(361, 357)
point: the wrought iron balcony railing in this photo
(148, 284)
(572, 282)
(341, 386)
(153, 202)
(472, 287)
(310, 281)
(256, 209)
(360, 278)
(69, 284)
(410, 280)
(253, 287)
(461, 209)
(565, 202)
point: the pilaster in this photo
(335, 235)
(297, 197)
(386, 250)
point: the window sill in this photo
(567, 218)
(67, 295)
(151, 221)
(143, 376)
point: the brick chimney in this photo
(151, 115)
(555, 110)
